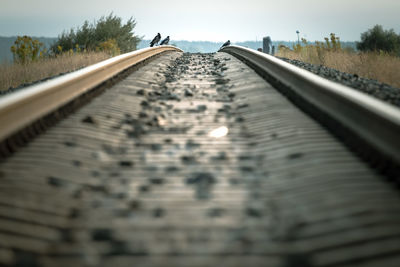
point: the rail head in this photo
(375, 121)
(19, 109)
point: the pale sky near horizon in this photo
(211, 20)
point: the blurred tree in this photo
(378, 39)
(92, 36)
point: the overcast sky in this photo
(213, 20)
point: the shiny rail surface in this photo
(373, 120)
(21, 108)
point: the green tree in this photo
(66, 41)
(84, 36)
(378, 39)
(91, 36)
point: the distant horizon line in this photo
(172, 40)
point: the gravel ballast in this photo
(374, 88)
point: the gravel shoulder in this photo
(371, 87)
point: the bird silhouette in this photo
(227, 43)
(155, 40)
(165, 41)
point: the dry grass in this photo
(13, 75)
(382, 67)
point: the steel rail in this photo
(19, 109)
(373, 120)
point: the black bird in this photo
(155, 40)
(165, 41)
(227, 43)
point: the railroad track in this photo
(366, 124)
(195, 160)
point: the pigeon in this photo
(227, 43)
(155, 40)
(165, 41)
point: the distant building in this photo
(267, 45)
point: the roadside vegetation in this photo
(77, 48)
(108, 33)
(13, 75)
(378, 55)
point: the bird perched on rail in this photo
(227, 43)
(155, 40)
(165, 41)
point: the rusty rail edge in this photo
(20, 109)
(373, 121)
